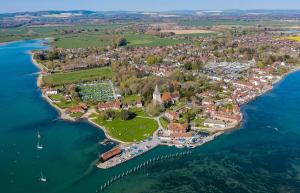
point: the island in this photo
(163, 84)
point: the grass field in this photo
(139, 112)
(202, 35)
(78, 76)
(136, 129)
(87, 38)
(149, 40)
(164, 123)
(131, 98)
(22, 33)
(66, 104)
(56, 97)
(83, 40)
(189, 31)
(103, 40)
(237, 22)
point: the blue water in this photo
(253, 158)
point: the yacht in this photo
(43, 178)
(38, 135)
(39, 146)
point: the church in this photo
(156, 96)
(164, 98)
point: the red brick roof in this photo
(178, 128)
(110, 105)
(166, 97)
(110, 154)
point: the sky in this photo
(143, 5)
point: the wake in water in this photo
(32, 74)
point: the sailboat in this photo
(38, 135)
(43, 178)
(39, 146)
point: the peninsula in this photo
(161, 83)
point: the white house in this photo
(214, 123)
(50, 92)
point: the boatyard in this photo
(123, 153)
(128, 152)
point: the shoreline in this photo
(61, 112)
(64, 116)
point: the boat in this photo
(39, 146)
(43, 178)
(106, 142)
(38, 135)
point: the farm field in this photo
(207, 23)
(90, 36)
(103, 40)
(189, 31)
(78, 76)
(150, 40)
(97, 91)
(136, 129)
(295, 38)
(57, 32)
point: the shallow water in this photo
(254, 158)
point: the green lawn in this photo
(76, 115)
(131, 98)
(78, 76)
(164, 123)
(56, 97)
(136, 129)
(198, 121)
(138, 112)
(150, 40)
(66, 104)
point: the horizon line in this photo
(119, 10)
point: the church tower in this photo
(156, 96)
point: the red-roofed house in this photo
(171, 115)
(178, 128)
(110, 105)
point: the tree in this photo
(119, 42)
(154, 60)
(122, 41)
(153, 110)
(188, 66)
(126, 115)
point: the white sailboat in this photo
(38, 135)
(39, 146)
(43, 178)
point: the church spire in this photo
(156, 96)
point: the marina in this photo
(128, 152)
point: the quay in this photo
(128, 152)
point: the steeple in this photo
(156, 90)
(156, 96)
